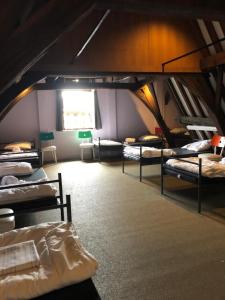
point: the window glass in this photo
(78, 109)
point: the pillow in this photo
(21, 145)
(145, 138)
(215, 157)
(198, 146)
(178, 130)
(130, 140)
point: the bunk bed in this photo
(21, 151)
(152, 155)
(200, 171)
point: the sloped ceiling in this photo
(44, 36)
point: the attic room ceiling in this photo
(18, 20)
(41, 37)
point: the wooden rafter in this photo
(201, 88)
(180, 107)
(219, 88)
(32, 40)
(17, 91)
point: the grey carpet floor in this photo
(147, 246)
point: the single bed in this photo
(107, 149)
(20, 152)
(152, 156)
(200, 171)
(35, 193)
(53, 265)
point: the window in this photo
(78, 109)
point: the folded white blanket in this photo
(63, 261)
(148, 152)
(18, 257)
(15, 168)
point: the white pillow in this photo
(198, 146)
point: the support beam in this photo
(207, 10)
(87, 85)
(33, 38)
(17, 91)
(148, 97)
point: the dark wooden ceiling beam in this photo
(37, 35)
(203, 9)
(87, 85)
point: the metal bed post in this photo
(162, 172)
(140, 175)
(99, 154)
(123, 160)
(199, 185)
(68, 207)
(61, 195)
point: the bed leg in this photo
(140, 172)
(162, 173)
(61, 196)
(123, 164)
(199, 186)
(68, 207)
(140, 164)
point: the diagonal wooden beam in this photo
(17, 91)
(219, 88)
(33, 38)
(148, 97)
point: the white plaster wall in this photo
(21, 123)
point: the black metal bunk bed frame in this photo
(195, 178)
(42, 204)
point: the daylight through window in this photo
(78, 109)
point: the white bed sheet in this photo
(210, 168)
(147, 152)
(63, 261)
